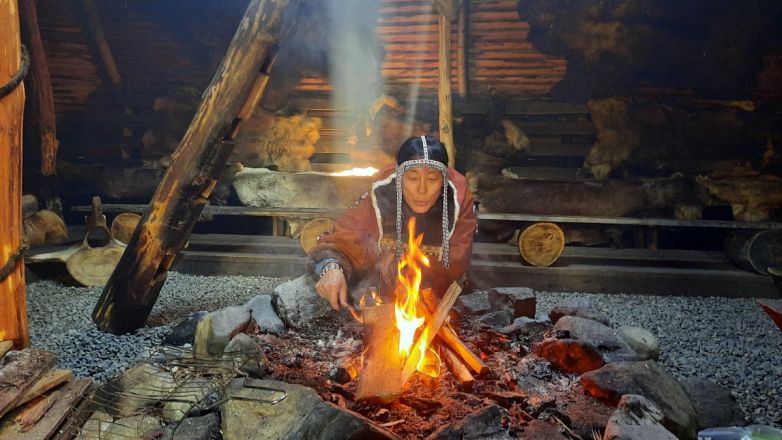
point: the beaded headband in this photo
(425, 162)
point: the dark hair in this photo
(413, 148)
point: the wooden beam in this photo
(462, 50)
(95, 25)
(40, 123)
(431, 327)
(13, 313)
(379, 382)
(197, 164)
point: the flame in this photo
(368, 171)
(376, 298)
(407, 290)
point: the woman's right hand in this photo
(333, 287)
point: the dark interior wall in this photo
(714, 48)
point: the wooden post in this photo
(197, 165)
(379, 381)
(461, 51)
(444, 90)
(13, 308)
(40, 124)
(104, 50)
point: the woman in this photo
(362, 249)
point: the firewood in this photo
(348, 368)
(20, 374)
(448, 336)
(48, 381)
(47, 427)
(35, 410)
(380, 380)
(431, 327)
(4, 347)
(458, 369)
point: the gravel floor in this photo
(729, 341)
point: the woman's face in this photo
(421, 187)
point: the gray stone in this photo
(95, 427)
(196, 428)
(301, 414)
(474, 304)
(484, 423)
(526, 326)
(138, 388)
(581, 307)
(264, 315)
(216, 329)
(570, 355)
(642, 341)
(636, 418)
(184, 398)
(605, 339)
(714, 405)
(134, 427)
(521, 300)
(495, 320)
(540, 430)
(297, 302)
(184, 331)
(647, 379)
(244, 354)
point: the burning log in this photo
(458, 369)
(448, 337)
(380, 381)
(430, 330)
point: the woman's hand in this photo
(333, 287)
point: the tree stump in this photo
(541, 244)
(312, 230)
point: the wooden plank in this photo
(13, 312)
(69, 396)
(21, 373)
(724, 224)
(48, 381)
(774, 310)
(380, 380)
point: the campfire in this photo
(400, 338)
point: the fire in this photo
(406, 305)
(368, 171)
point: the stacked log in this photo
(36, 397)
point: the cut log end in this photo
(541, 244)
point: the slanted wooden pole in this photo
(444, 90)
(40, 124)
(197, 164)
(461, 51)
(13, 308)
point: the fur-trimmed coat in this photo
(363, 240)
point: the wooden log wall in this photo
(499, 59)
